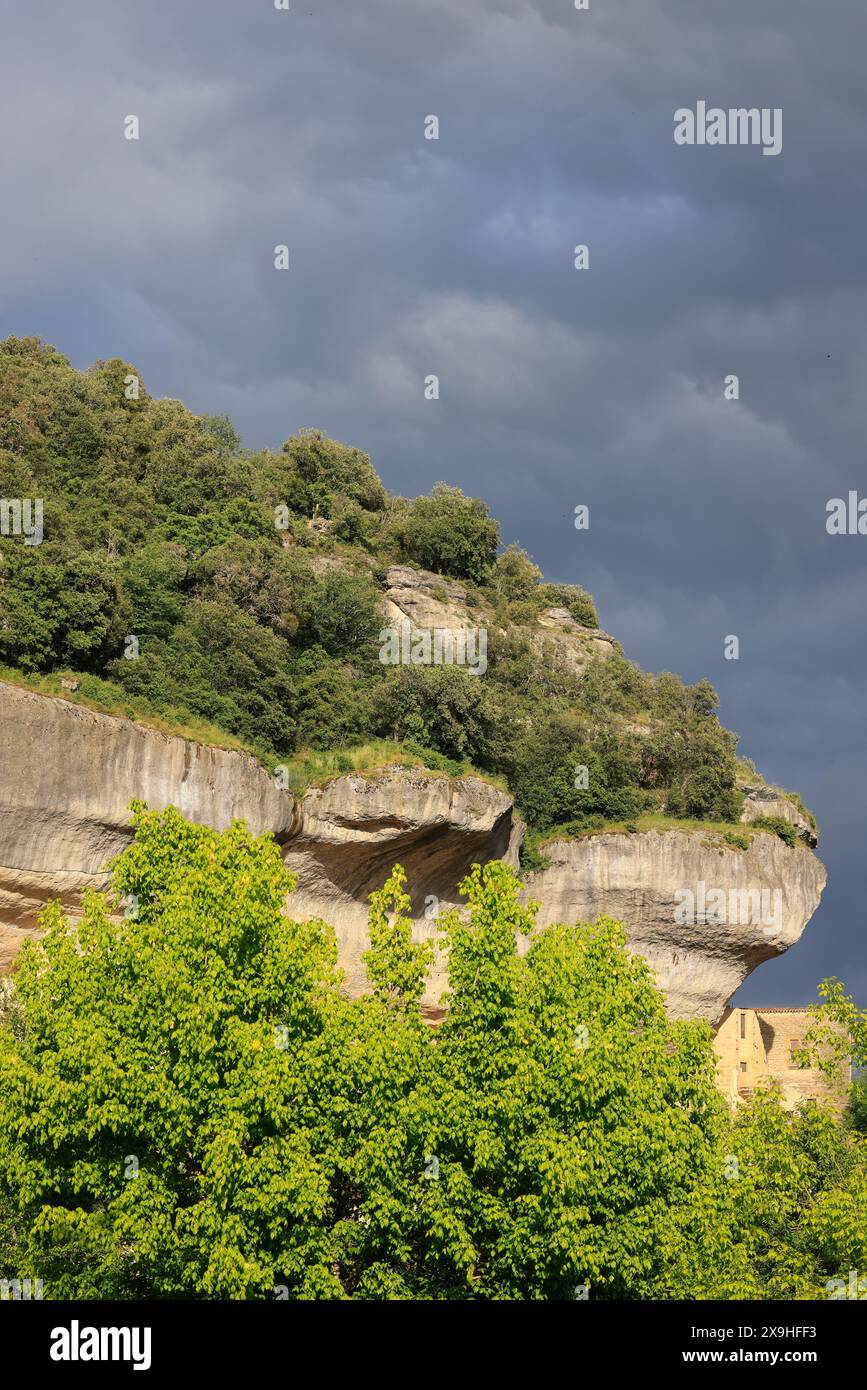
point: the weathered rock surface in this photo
(354, 830)
(641, 879)
(67, 777)
(762, 801)
(427, 600)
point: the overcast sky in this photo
(409, 256)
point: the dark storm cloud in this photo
(455, 257)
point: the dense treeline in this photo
(159, 526)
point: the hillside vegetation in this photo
(252, 584)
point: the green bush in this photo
(778, 826)
(531, 859)
(569, 596)
(515, 575)
(736, 841)
(314, 471)
(449, 533)
(443, 708)
(547, 768)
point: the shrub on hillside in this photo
(314, 470)
(449, 533)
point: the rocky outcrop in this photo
(69, 775)
(760, 801)
(355, 829)
(701, 913)
(428, 601)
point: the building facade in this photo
(759, 1045)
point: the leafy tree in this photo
(222, 429)
(785, 1207)
(449, 533)
(58, 611)
(332, 704)
(155, 581)
(837, 1036)
(441, 707)
(223, 666)
(345, 619)
(561, 773)
(274, 586)
(857, 1112)
(174, 1168)
(690, 754)
(193, 1109)
(316, 469)
(351, 523)
(515, 575)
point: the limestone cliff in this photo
(68, 775)
(352, 831)
(661, 885)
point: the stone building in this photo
(756, 1045)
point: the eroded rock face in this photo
(762, 801)
(354, 830)
(427, 601)
(645, 880)
(67, 777)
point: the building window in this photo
(794, 1046)
(743, 1066)
(743, 1024)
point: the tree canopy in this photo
(190, 1107)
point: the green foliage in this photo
(194, 1109)
(838, 1031)
(561, 772)
(778, 826)
(689, 753)
(736, 841)
(569, 596)
(449, 533)
(515, 575)
(333, 706)
(345, 620)
(191, 1107)
(805, 812)
(317, 470)
(792, 1199)
(437, 762)
(857, 1109)
(440, 707)
(531, 859)
(58, 608)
